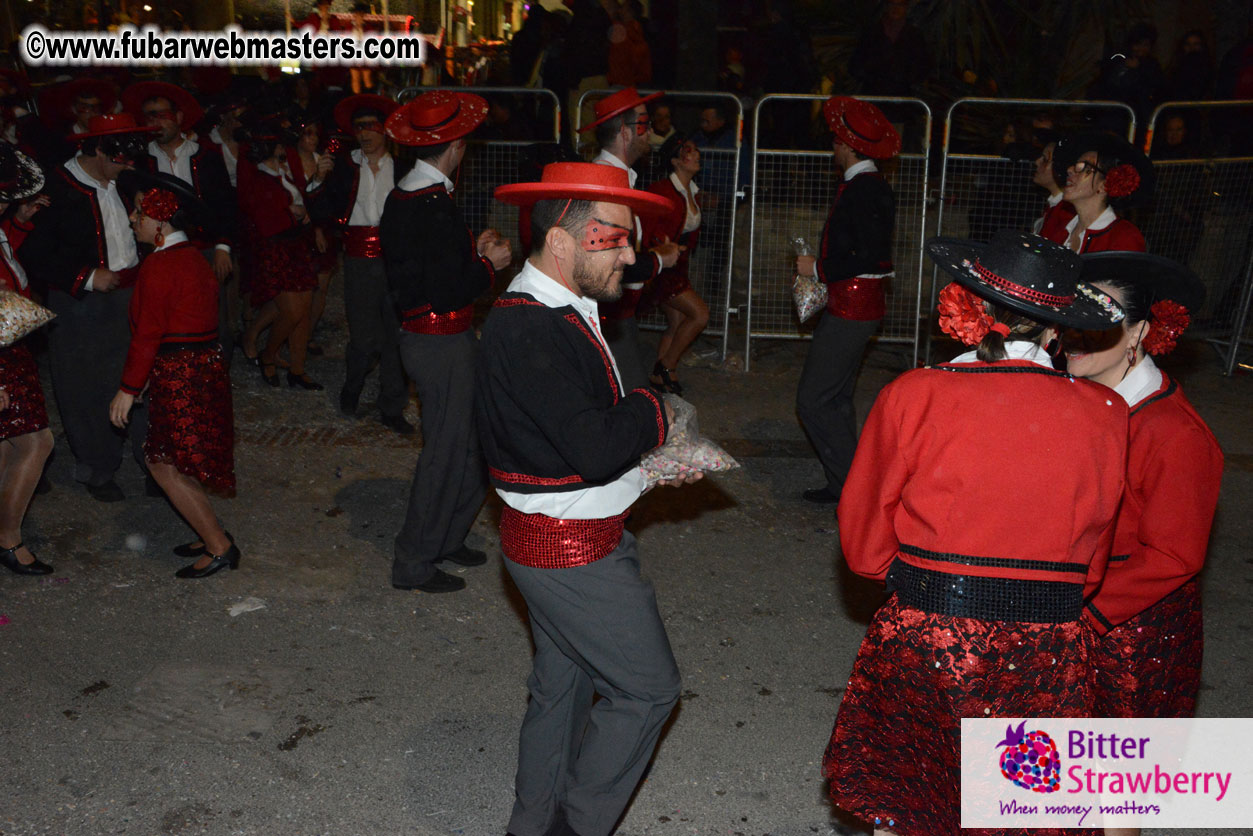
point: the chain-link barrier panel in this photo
(1202, 212)
(521, 133)
(988, 178)
(709, 267)
(792, 192)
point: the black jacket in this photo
(857, 238)
(212, 183)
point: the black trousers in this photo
(824, 397)
(373, 334)
(623, 338)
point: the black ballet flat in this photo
(304, 382)
(270, 377)
(9, 558)
(229, 558)
(195, 548)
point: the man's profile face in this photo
(711, 121)
(604, 252)
(160, 113)
(85, 107)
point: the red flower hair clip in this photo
(158, 204)
(963, 315)
(1167, 322)
(1122, 180)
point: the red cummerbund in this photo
(425, 321)
(547, 543)
(859, 298)
(362, 242)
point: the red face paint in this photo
(601, 235)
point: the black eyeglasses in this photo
(1083, 167)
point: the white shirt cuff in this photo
(226, 248)
(89, 284)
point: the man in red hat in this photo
(854, 259)
(173, 111)
(83, 251)
(436, 269)
(563, 434)
(352, 196)
(621, 127)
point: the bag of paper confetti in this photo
(810, 295)
(685, 450)
(19, 316)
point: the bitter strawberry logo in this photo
(1030, 759)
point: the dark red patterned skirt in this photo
(20, 378)
(191, 424)
(280, 265)
(1150, 665)
(324, 262)
(894, 757)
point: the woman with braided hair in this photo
(175, 355)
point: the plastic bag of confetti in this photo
(686, 450)
(19, 316)
(810, 295)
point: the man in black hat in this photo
(83, 250)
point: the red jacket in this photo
(1174, 470)
(175, 301)
(1122, 235)
(1055, 219)
(1009, 460)
(671, 225)
(16, 233)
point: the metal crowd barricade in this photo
(792, 192)
(494, 162)
(981, 189)
(709, 268)
(1202, 213)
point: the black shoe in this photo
(229, 558)
(465, 556)
(304, 382)
(397, 423)
(439, 582)
(196, 547)
(348, 400)
(106, 492)
(315, 350)
(152, 487)
(821, 496)
(9, 558)
(661, 380)
(271, 376)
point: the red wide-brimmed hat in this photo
(133, 99)
(628, 98)
(345, 108)
(436, 117)
(862, 127)
(55, 101)
(584, 181)
(111, 124)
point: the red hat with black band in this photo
(436, 117)
(585, 181)
(628, 98)
(346, 109)
(133, 99)
(54, 102)
(111, 124)
(862, 127)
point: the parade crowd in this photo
(1039, 507)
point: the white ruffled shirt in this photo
(588, 503)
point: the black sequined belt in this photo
(987, 599)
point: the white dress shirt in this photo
(232, 162)
(692, 221)
(179, 166)
(372, 190)
(587, 503)
(119, 240)
(1143, 380)
(423, 175)
(297, 198)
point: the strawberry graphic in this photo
(1030, 759)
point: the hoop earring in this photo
(158, 239)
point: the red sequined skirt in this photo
(20, 378)
(894, 757)
(190, 421)
(280, 265)
(1150, 665)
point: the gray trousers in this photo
(623, 338)
(226, 328)
(824, 397)
(373, 334)
(87, 345)
(597, 631)
(450, 481)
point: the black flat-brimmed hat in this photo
(1162, 277)
(1028, 275)
(20, 176)
(197, 211)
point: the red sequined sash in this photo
(543, 542)
(363, 242)
(425, 321)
